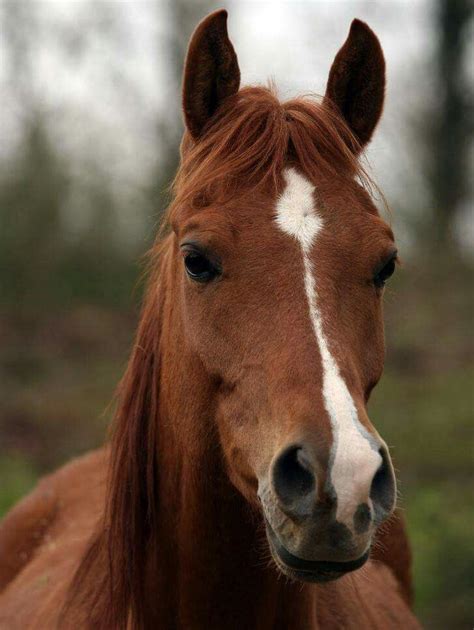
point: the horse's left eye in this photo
(199, 268)
(384, 274)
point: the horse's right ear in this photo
(211, 72)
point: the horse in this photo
(244, 485)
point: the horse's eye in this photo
(199, 268)
(384, 274)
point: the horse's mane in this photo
(246, 144)
(108, 585)
(253, 135)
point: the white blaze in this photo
(354, 460)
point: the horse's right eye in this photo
(199, 268)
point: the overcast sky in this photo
(107, 96)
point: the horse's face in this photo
(281, 300)
(282, 303)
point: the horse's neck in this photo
(212, 560)
(213, 564)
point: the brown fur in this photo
(42, 539)
(213, 388)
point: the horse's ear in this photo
(211, 72)
(356, 83)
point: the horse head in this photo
(279, 261)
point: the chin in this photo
(312, 571)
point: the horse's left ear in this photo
(211, 72)
(356, 83)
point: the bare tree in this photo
(451, 133)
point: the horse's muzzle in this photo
(316, 534)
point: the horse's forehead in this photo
(340, 202)
(250, 215)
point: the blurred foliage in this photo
(18, 475)
(423, 408)
(68, 312)
(47, 269)
(427, 422)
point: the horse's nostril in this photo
(294, 481)
(382, 490)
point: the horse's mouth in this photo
(309, 570)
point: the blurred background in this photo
(90, 126)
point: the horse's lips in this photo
(310, 570)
